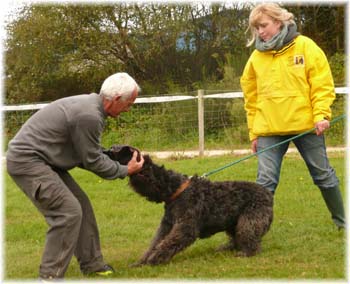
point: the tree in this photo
(58, 50)
(62, 50)
(323, 23)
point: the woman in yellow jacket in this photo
(288, 89)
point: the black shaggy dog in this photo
(198, 208)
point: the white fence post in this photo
(201, 122)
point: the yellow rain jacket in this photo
(287, 91)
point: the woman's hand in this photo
(254, 145)
(321, 126)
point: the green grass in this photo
(303, 243)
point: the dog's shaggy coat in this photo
(198, 208)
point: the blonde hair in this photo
(273, 10)
(119, 84)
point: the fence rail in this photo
(160, 99)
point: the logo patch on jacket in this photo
(299, 60)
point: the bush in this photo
(337, 64)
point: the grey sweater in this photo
(65, 134)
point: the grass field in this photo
(303, 243)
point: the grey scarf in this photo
(285, 36)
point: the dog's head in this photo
(122, 153)
(155, 182)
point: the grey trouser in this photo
(69, 214)
(313, 150)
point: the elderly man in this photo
(63, 135)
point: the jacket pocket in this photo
(282, 114)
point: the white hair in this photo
(119, 84)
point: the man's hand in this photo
(321, 126)
(134, 166)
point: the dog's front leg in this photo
(163, 230)
(181, 236)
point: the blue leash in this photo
(268, 148)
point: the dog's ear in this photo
(147, 159)
(122, 153)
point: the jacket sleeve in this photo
(322, 93)
(86, 134)
(249, 88)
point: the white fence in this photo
(161, 99)
(200, 96)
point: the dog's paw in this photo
(225, 247)
(240, 254)
(136, 264)
(246, 253)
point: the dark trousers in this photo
(69, 214)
